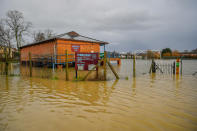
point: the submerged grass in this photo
(12, 75)
(55, 78)
(127, 78)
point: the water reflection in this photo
(31, 92)
(88, 93)
(153, 77)
(134, 86)
(46, 104)
(6, 83)
(177, 81)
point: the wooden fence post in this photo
(153, 66)
(133, 65)
(111, 67)
(181, 67)
(97, 71)
(66, 60)
(104, 64)
(30, 65)
(173, 68)
(6, 63)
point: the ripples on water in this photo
(147, 102)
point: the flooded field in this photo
(146, 102)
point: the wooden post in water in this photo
(104, 64)
(54, 58)
(134, 65)
(181, 67)
(111, 67)
(97, 71)
(30, 65)
(66, 62)
(150, 70)
(6, 63)
(173, 68)
(153, 66)
(76, 74)
(1, 70)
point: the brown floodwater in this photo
(146, 102)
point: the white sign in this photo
(80, 67)
(90, 66)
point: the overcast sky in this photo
(126, 24)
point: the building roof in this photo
(73, 36)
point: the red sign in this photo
(85, 61)
(75, 48)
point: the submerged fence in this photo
(59, 64)
(50, 60)
(82, 62)
(172, 67)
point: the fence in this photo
(172, 67)
(62, 60)
(50, 60)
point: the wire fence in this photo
(48, 61)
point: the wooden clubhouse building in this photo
(53, 50)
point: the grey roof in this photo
(75, 36)
(70, 36)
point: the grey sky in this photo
(126, 24)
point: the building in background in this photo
(189, 54)
(5, 49)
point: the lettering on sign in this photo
(75, 48)
(85, 61)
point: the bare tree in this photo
(19, 27)
(6, 37)
(49, 33)
(40, 36)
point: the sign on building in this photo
(75, 48)
(86, 61)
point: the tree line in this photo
(13, 29)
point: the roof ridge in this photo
(60, 35)
(69, 33)
(71, 38)
(92, 38)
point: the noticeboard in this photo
(75, 48)
(85, 61)
(101, 55)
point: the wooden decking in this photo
(116, 59)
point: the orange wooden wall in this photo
(61, 46)
(39, 49)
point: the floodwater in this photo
(146, 102)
